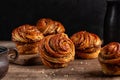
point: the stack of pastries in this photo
(87, 45)
(46, 38)
(56, 50)
(48, 26)
(26, 38)
(109, 58)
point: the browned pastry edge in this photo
(48, 26)
(56, 50)
(44, 23)
(26, 34)
(87, 44)
(27, 48)
(110, 69)
(84, 39)
(109, 58)
(84, 55)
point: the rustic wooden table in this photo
(77, 70)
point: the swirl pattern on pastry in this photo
(56, 50)
(86, 44)
(109, 58)
(48, 26)
(26, 34)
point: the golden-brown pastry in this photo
(56, 50)
(26, 38)
(26, 34)
(109, 58)
(48, 26)
(87, 45)
(27, 48)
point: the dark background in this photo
(75, 15)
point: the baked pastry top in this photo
(48, 26)
(110, 51)
(56, 50)
(86, 44)
(26, 34)
(84, 39)
(109, 58)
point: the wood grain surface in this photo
(77, 70)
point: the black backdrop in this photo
(75, 15)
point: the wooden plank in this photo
(7, 44)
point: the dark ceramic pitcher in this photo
(112, 22)
(4, 63)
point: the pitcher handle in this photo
(12, 54)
